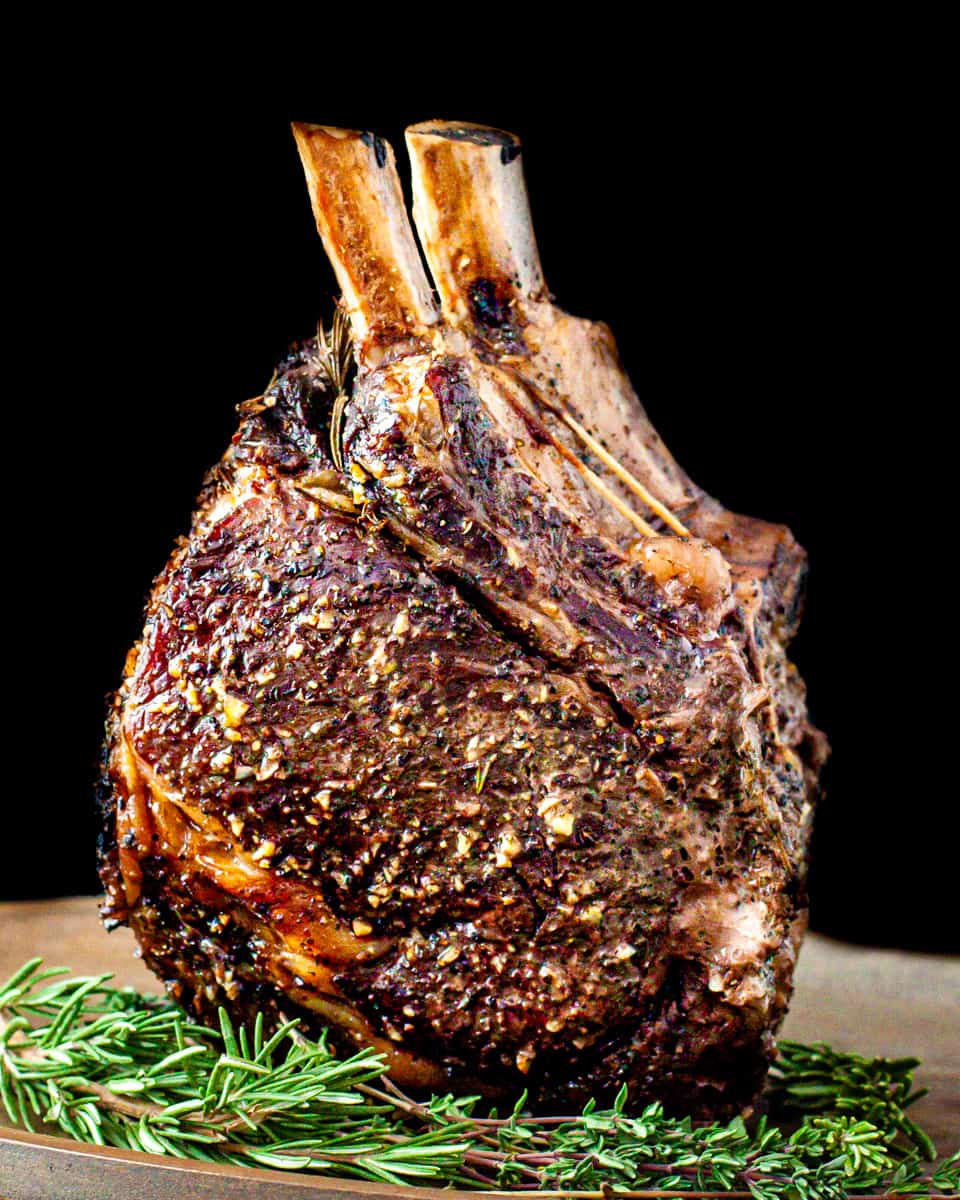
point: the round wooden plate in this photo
(872, 1001)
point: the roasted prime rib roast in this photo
(462, 721)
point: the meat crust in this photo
(342, 786)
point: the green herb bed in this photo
(115, 1067)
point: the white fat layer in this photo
(241, 489)
(733, 938)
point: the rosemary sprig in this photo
(334, 358)
(112, 1066)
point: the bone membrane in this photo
(471, 212)
(358, 205)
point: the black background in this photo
(766, 236)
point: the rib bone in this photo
(470, 208)
(358, 204)
(473, 219)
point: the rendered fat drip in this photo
(462, 720)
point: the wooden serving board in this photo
(872, 1001)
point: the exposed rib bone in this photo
(470, 208)
(358, 205)
(473, 217)
(359, 209)
(472, 214)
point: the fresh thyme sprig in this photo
(111, 1066)
(816, 1078)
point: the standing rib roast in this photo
(462, 721)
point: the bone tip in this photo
(307, 134)
(468, 132)
(309, 129)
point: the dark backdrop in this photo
(766, 244)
